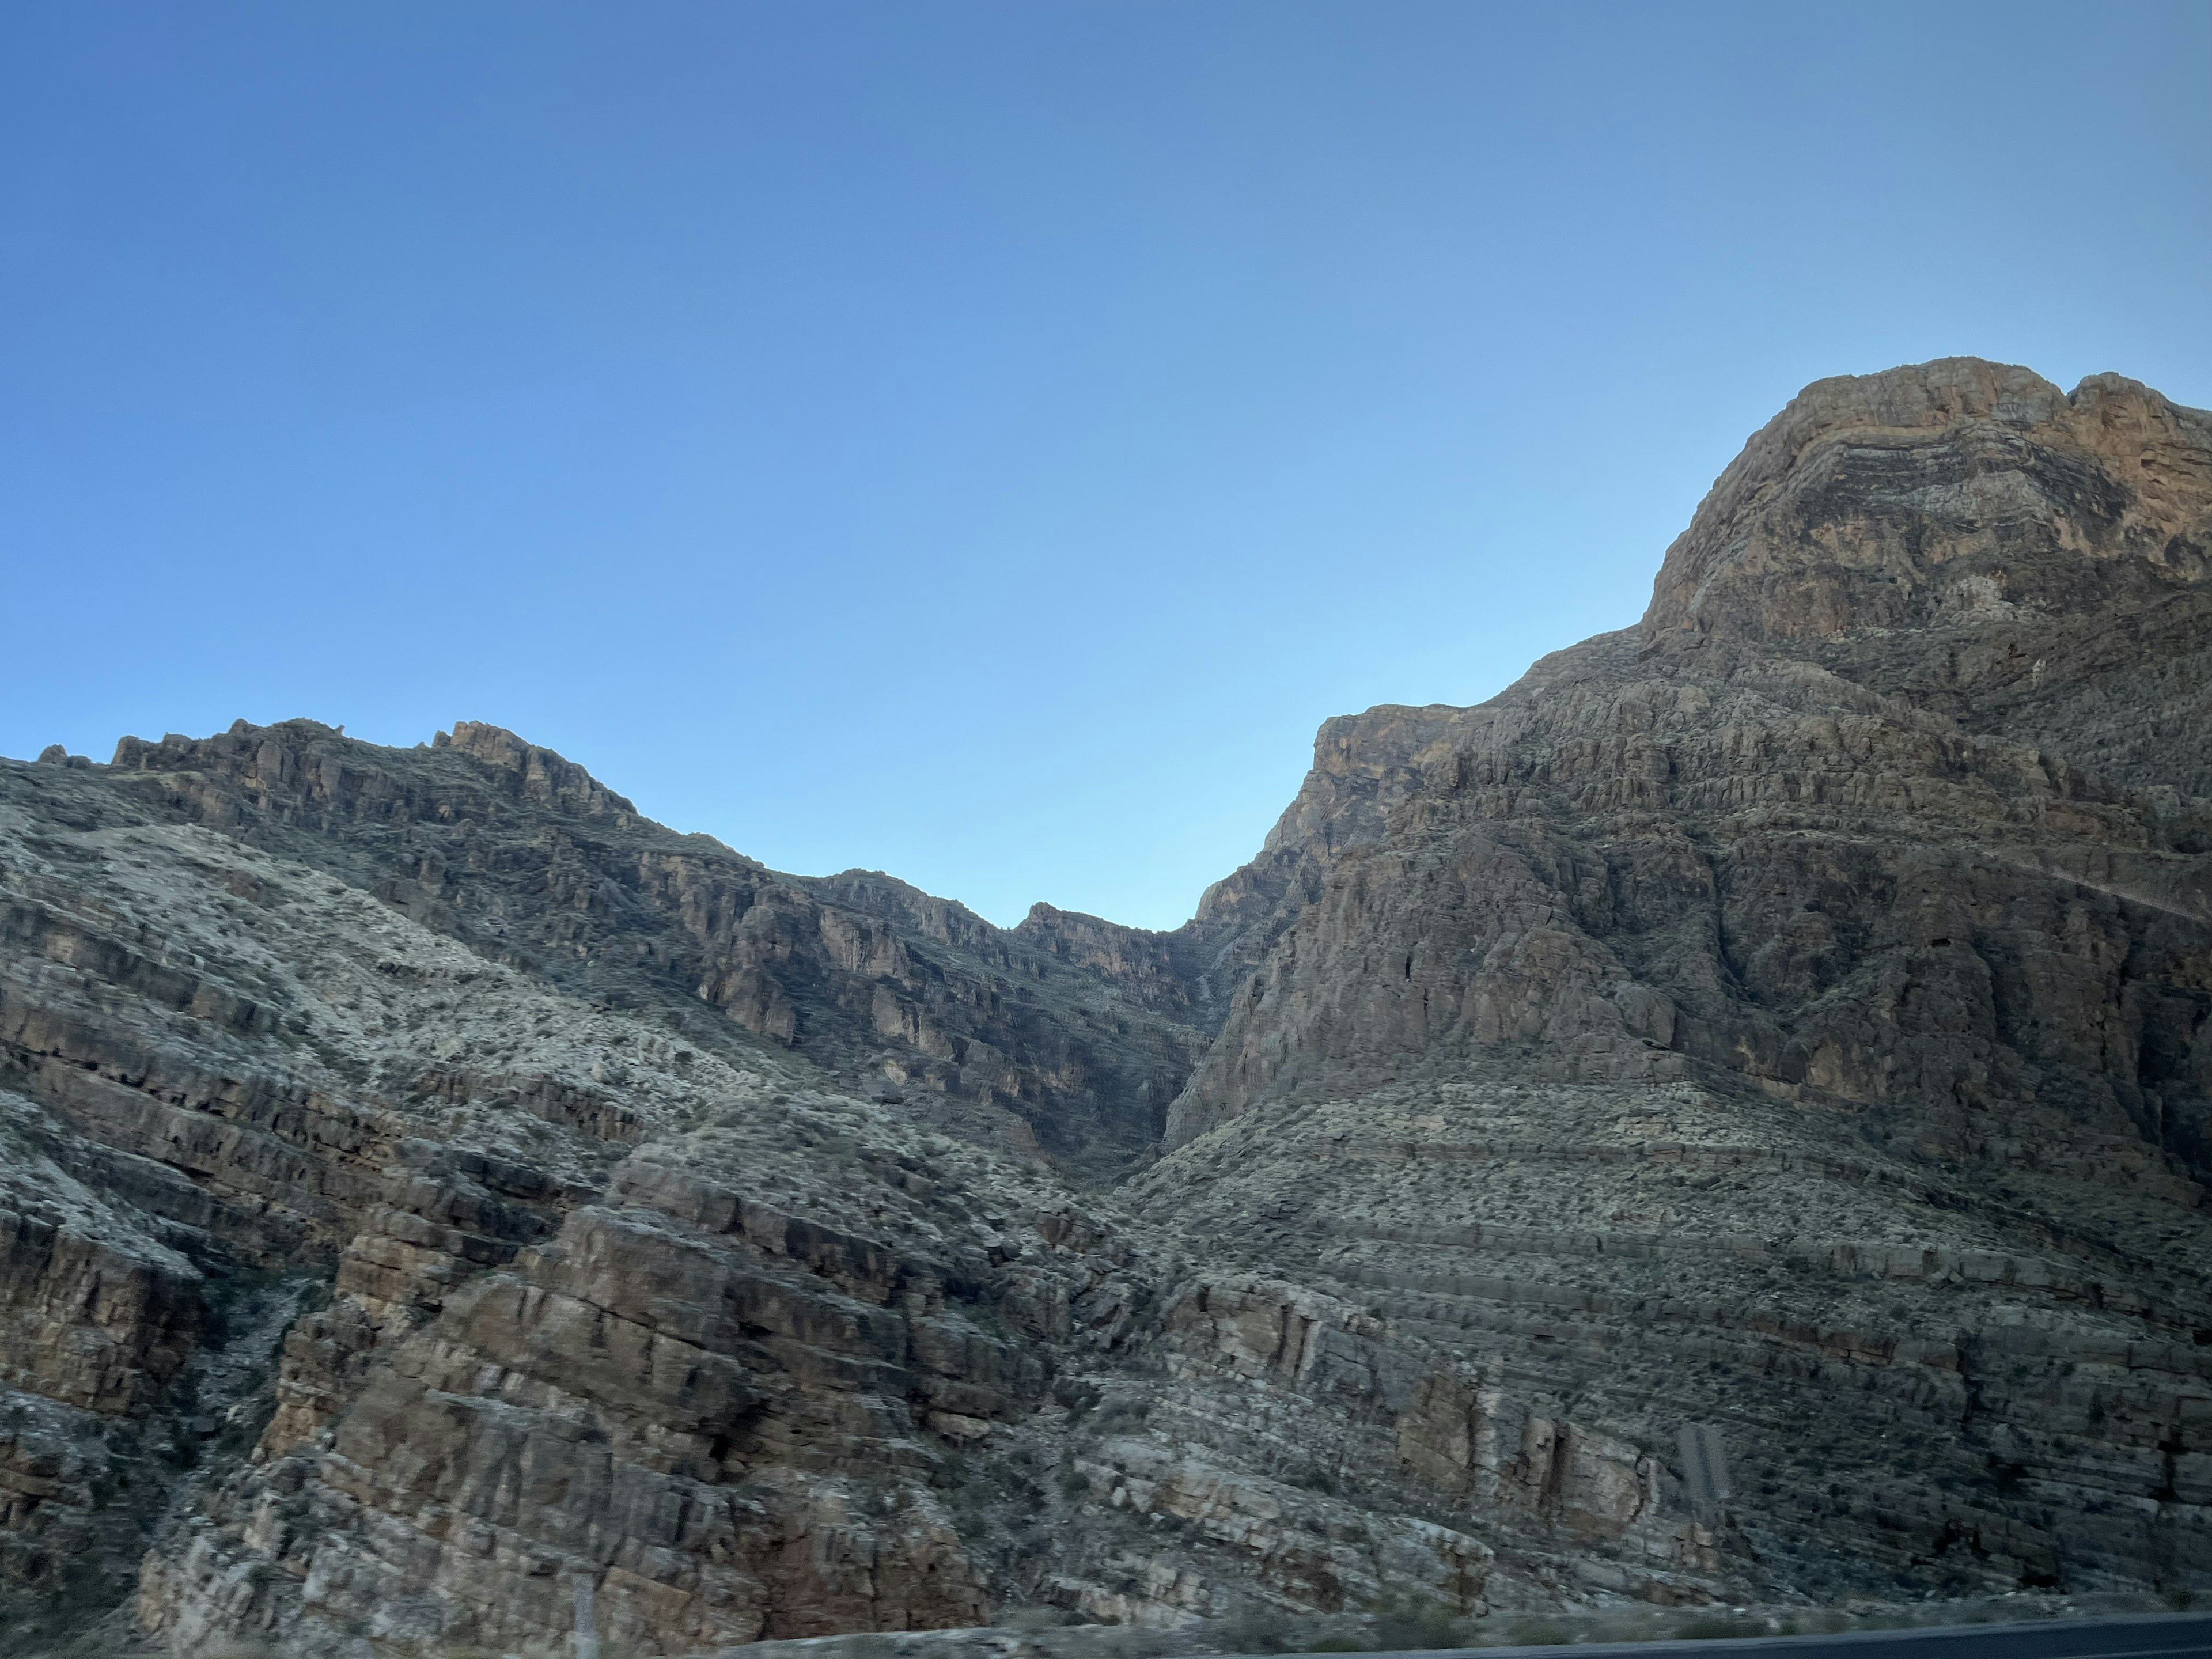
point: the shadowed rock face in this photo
(528, 860)
(1893, 802)
(1792, 1012)
(423, 1182)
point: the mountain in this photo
(1792, 1012)
(425, 1182)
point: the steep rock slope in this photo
(1848, 924)
(388, 1267)
(1933, 662)
(1057, 1035)
(425, 1184)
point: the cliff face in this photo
(396, 1236)
(1932, 664)
(424, 1182)
(526, 858)
(1793, 1012)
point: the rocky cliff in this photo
(526, 858)
(1792, 1012)
(426, 1185)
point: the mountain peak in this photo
(1926, 494)
(545, 776)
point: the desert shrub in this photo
(1414, 1621)
(1120, 1414)
(1255, 1629)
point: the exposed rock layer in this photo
(1848, 922)
(425, 1182)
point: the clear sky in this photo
(982, 442)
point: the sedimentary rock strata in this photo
(425, 1184)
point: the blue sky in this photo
(983, 441)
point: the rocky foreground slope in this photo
(425, 1184)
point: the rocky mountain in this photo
(427, 1185)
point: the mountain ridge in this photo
(427, 1181)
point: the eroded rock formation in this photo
(1846, 924)
(423, 1183)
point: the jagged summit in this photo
(545, 775)
(1953, 491)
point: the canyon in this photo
(427, 1185)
